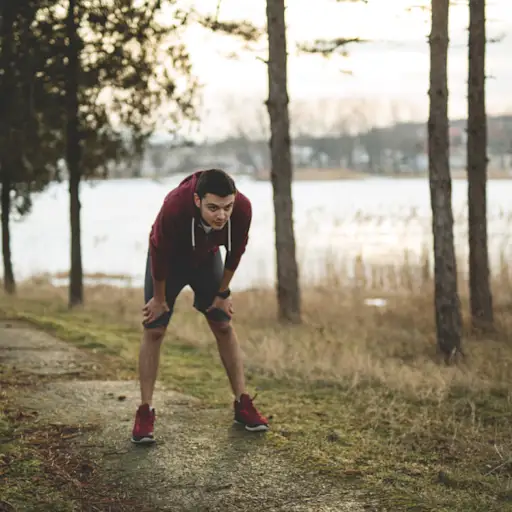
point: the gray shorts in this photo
(204, 280)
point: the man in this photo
(204, 212)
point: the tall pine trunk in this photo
(6, 162)
(447, 304)
(288, 292)
(73, 155)
(9, 282)
(479, 286)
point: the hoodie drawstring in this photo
(193, 226)
(229, 235)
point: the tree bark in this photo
(288, 291)
(8, 15)
(479, 286)
(9, 282)
(447, 304)
(73, 156)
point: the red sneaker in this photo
(143, 427)
(246, 414)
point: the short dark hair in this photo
(215, 181)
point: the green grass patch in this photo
(403, 450)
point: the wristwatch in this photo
(225, 294)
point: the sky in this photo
(389, 73)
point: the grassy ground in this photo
(21, 465)
(309, 174)
(356, 392)
(332, 174)
(40, 469)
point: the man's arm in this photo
(226, 279)
(159, 247)
(159, 290)
(240, 237)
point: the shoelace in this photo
(253, 409)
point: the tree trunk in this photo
(8, 15)
(9, 283)
(480, 290)
(288, 292)
(447, 304)
(73, 156)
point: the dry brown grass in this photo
(312, 174)
(357, 390)
(330, 174)
(342, 337)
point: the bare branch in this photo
(327, 47)
(497, 39)
(245, 30)
(217, 11)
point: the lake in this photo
(378, 219)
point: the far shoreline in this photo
(311, 174)
(307, 174)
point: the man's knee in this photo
(220, 329)
(155, 334)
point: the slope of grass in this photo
(357, 392)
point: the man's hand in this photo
(225, 305)
(154, 309)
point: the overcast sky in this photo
(392, 67)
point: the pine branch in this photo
(245, 30)
(327, 47)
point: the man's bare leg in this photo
(149, 358)
(230, 355)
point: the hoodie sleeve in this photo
(163, 235)
(240, 233)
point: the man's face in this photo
(215, 210)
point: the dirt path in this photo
(201, 462)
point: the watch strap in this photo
(225, 294)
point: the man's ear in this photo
(197, 201)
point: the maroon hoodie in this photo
(177, 239)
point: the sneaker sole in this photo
(257, 428)
(144, 440)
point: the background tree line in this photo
(398, 149)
